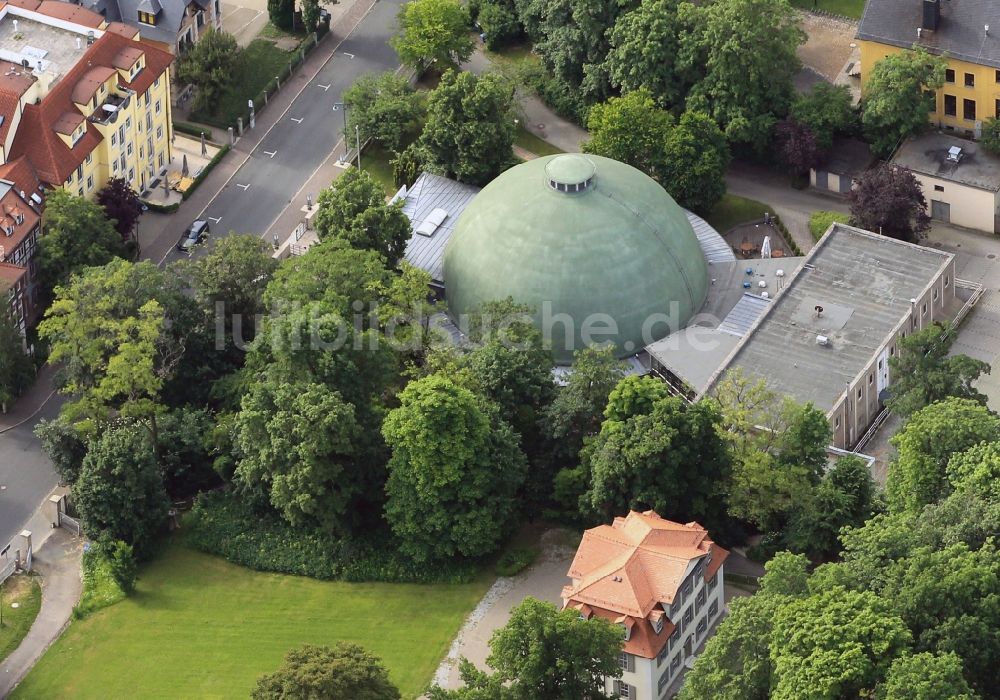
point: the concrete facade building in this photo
(827, 337)
(966, 32)
(661, 582)
(959, 178)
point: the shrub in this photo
(192, 129)
(499, 25)
(991, 135)
(565, 100)
(121, 562)
(205, 171)
(516, 560)
(220, 524)
(820, 221)
(100, 588)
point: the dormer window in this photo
(147, 18)
(19, 218)
(626, 632)
(658, 625)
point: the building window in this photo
(149, 121)
(156, 83)
(939, 188)
(935, 295)
(114, 138)
(675, 638)
(713, 609)
(675, 662)
(114, 166)
(90, 182)
(626, 661)
(147, 18)
(664, 679)
(997, 108)
(123, 166)
(662, 656)
(128, 123)
(157, 107)
(712, 582)
(90, 158)
(121, 133)
(131, 174)
(79, 171)
(140, 152)
(923, 310)
(970, 80)
(79, 192)
(871, 379)
(159, 159)
(623, 689)
(949, 75)
(159, 133)
(950, 106)
(945, 282)
(688, 616)
(699, 631)
(688, 587)
(969, 109)
(859, 394)
(836, 423)
(129, 149)
(699, 601)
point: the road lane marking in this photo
(325, 87)
(245, 187)
(297, 120)
(349, 55)
(270, 154)
(214, 219)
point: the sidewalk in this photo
(160, 231)
(26, 406)
(58, 562)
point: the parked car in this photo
(196, 233)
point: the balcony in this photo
(107, 113)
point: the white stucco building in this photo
(660, 581)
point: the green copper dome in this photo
(589, 243)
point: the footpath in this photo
(30, 403)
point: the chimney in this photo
(79, 43)
(15, 25)
(932, 14)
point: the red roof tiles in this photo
(71, 13)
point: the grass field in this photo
(262, 61)
(25, 591)
(848, 8)
(199, 627)
(732, 210)
(529, 142)
(375, 159)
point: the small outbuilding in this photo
(960, 179)
(848, 159)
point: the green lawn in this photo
(848, 8)
(262, 61)
(199, 627)
(732, 210)
(375, 160)
(529, 142)
(25, 591)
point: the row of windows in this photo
(970, 78)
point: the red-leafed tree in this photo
(798, 147)
(888, 200)
(122, 205)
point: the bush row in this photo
(221, 524)
(99, 586)
(190, 129)
(786, 236)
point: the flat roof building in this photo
(959, 178)
(827, 337)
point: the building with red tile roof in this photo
(660, 581)
(20, 226)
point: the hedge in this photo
(820, 221)
(191, 129)
(221, 524)
(205, 171)
(162, 208)
(783, 230)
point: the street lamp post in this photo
(342, 108)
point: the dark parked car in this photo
(197, 233)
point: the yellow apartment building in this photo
(966, 32)
(81, 100)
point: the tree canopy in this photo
(632, 129)
(383, 107)
(899, 97)
(454, 471)
(209, 64)
(122, 205)
(311, 672)
(16, 367)
(469, 133)
(827, 110)
(433, 32)
(888, 200)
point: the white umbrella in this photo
(765, 247)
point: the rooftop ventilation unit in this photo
(954, 154)
(822, 340)
(432, 222)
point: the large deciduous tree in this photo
(210, 63)
(926, 676)
(835, 644)
(383, 107)
(918, 474)
(544, 654)
(899, 97)
(695, 159)
(16, 367)
(433, 32)
(281, 13)
(798, 147)
(120, 332)
(631, 129)
(454, 472)
(924, 371)
(750, 49)
(827, 110)
(888, 200)
(63, 445)
(670, 458)
(78, 234)
(120, 490)
(645, 52)
(353, 208)
(311, 672)
(297, 445)
(469, 133)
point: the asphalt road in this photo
(26, 474)
(304, 136)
